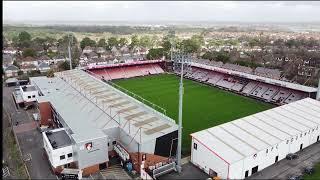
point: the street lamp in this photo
(182, 60)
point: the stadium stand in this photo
(270, 73)
(261, 83)
(111, 73)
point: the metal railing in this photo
(139, 98)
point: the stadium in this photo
(130, 110)
(214, 93)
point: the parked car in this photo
(308, 170)
(295, 177)
(292, 156)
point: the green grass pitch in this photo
(203, 106)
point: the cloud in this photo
(245, 11)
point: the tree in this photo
(39, 43)
(29, 52)
(209, 55)
(112, 41)
(24, 39)
(63, 44)
(156, 53)
(4, 41)
(15, 63)
(222, 56)
(145, 41)
(87, 42)
(123, 42)
(154, 41)
(189, 46)
(50, 73)
(20, 73)
(64, 66)
(134, 41)
(102, 43)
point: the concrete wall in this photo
(25, 95)
(205, 159)
(98, 154)
(54, 154)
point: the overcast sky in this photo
(245, 11)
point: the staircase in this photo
(115, 172)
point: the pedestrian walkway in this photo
(25, 127)
(185, 160)
(115, 172)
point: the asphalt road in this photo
(285, 168)
(30, 141)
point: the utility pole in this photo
(172, 35)
(69, 49)
(318, 93)
(183, 60)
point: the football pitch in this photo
(203, 106)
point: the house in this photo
(57, 59)
(7, 60)
(45, 59)
(143, 51)
(138, 57)
(100, 50)
(125, 51)
(107, 55)
(10, 50)
(53, 49)
(92, 55)
(28, 61)
(28, 68)
(87, 49)
(43, 67)
(115, 51)
(11, 71)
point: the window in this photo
(287, 141)
(29, 97)
(69, 155)
(267, 151)
(33, 96)
(108, 144)
(62, 157)
(114, 142)
(195, 146)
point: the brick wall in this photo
(45, 113)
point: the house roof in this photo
(10, 49)
(7, 58)
(45, 57)
(12, 68)
(28, 66)
(100, 49)
(92, 54)
(247, 136)
(88, 48)
(29, 59)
